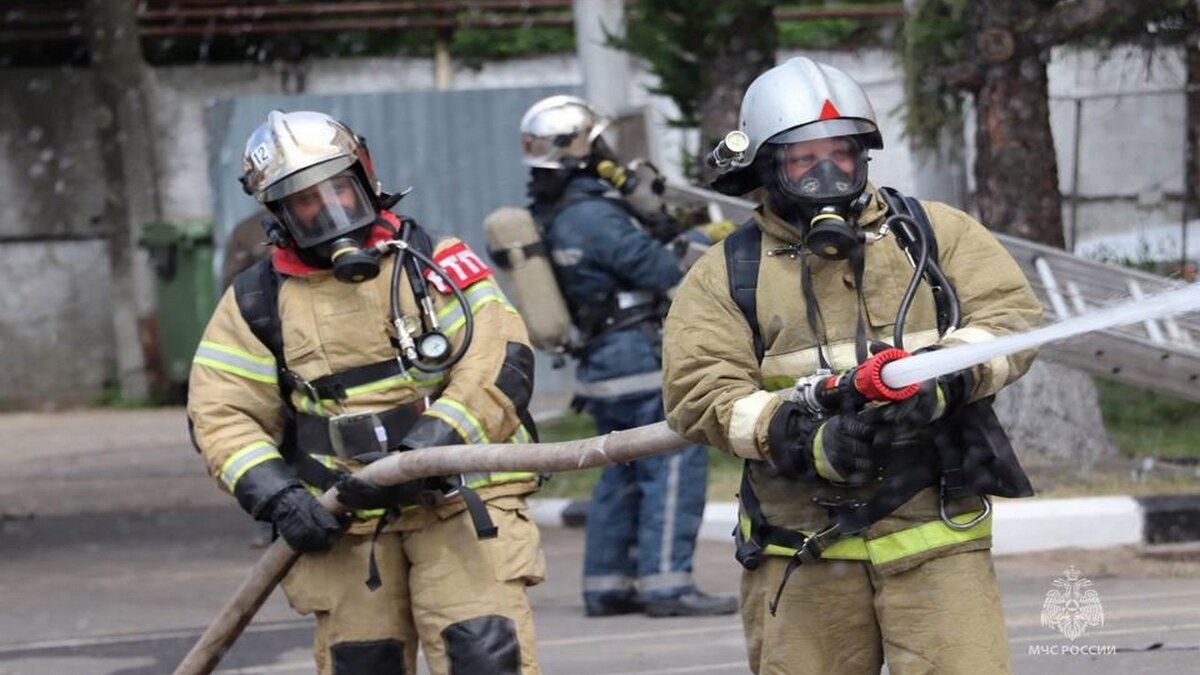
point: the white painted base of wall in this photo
(1020, 526)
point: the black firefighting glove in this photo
(837, 449)
(933, 401)
(662, 227)
(302, 522)
(359, 494)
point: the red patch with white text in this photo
(461, 265)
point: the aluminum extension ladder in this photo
(1162, 355)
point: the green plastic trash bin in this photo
(181, 254)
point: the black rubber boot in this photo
(692, 603)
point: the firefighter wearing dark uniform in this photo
(913, 583)
(644, 516)
(372, 359)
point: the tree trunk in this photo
(131, 197)
(1016, 173)
(735, 60)
(1191, 179)
(1052, 412)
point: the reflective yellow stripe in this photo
(394, 381)
(925, 537)
(820, 461)
(460, 418)
(305, 404)
(451, 316)
(323, 408)
(891, 547)
(245, 459)
(850, 548)
(235, 361)
(500, 477)
(521, 435)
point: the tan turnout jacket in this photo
(716, 392)
(329, 326)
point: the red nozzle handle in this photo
(868, 378)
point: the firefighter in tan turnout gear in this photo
(345, 346)
(864, 527)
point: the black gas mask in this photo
(818, 187)
(351, 263)
(545, 186)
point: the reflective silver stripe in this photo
(670, 510)
(668, 581)
(245, 459)
(627, 299)
(459, 417)
(236, 361)
(620, 386)
(743, 423)
(612, 582)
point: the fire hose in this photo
(887, 376)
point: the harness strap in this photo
(503, 256)
(743, 255)
(312, 431)
(335, 386)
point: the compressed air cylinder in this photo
(525, 268)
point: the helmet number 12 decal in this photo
(261, 156)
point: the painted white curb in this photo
(1019, 526)
(1026, 525)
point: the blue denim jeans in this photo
(644, 516)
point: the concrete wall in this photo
(55, 313)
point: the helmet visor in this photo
(306, 177)
(322, 212)
(842, 126)
(821, 170)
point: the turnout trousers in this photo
(462, 599)
(841, 616)
(644, 516)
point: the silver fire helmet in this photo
(799, 100)
(557, 132)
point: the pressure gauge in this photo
(433, 346)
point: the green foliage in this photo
(1148, 424)
(676, 38)
(933, 38)
(476, 45)
(832, 34)
(112, 397)
(472, 45)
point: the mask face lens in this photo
(821, 169)
(332, 207)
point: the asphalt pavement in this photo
(116, 549)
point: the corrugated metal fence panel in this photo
(458, 150)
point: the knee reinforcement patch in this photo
(374, 657)
(486, 644)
